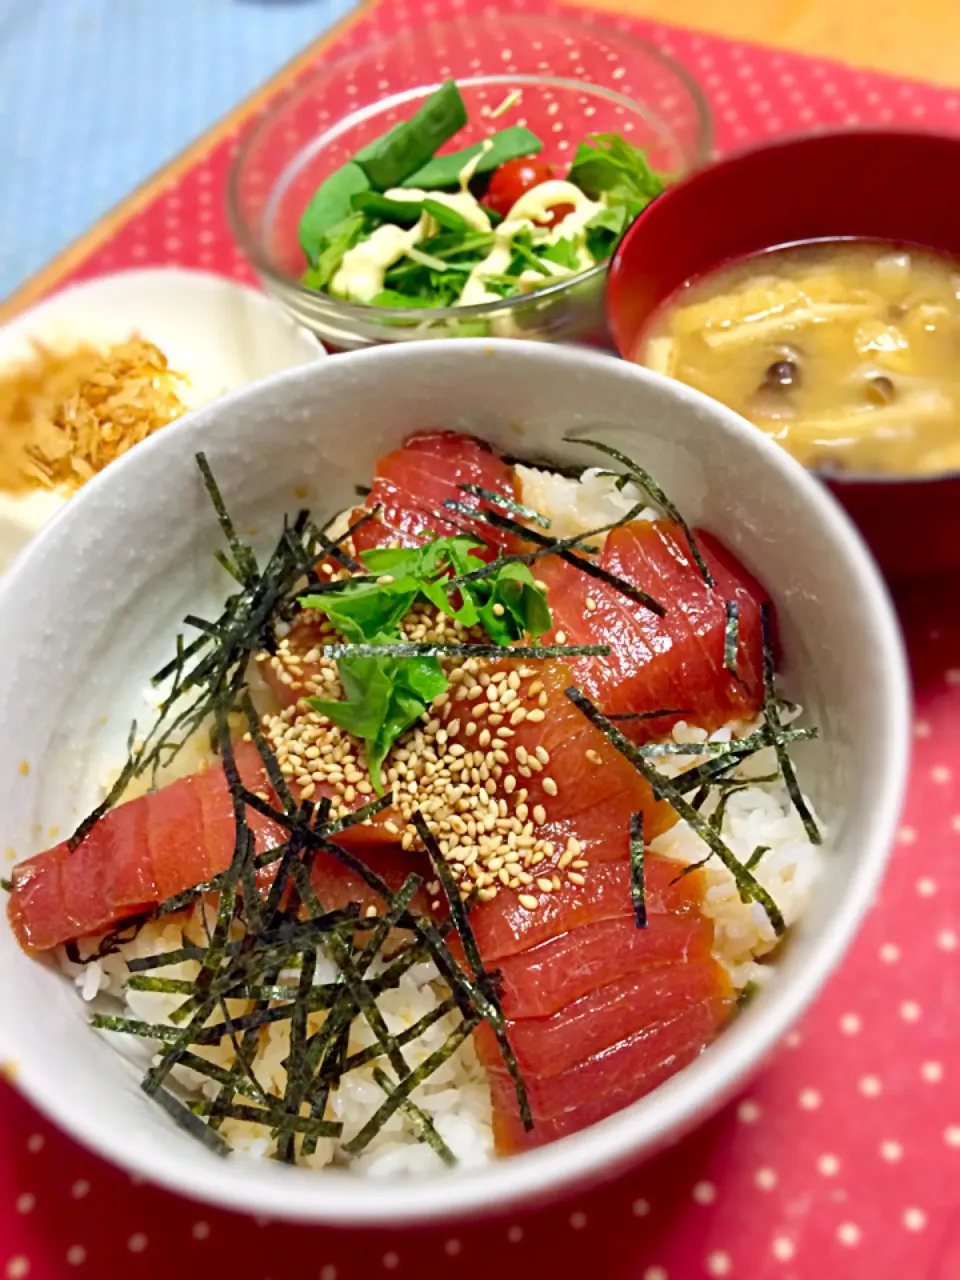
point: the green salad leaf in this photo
(444, 171)
(411, 143)
(606, 164)
(331, 205)
(405, 213)
(341, 237)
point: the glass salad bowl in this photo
(572, 79)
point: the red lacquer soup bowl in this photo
(891, 185)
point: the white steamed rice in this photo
(456, 1097)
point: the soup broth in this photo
(846, 352)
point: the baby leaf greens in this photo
(411, 143)
(445, 245)
(385, 694)
(444, 171)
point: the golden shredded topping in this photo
(66, 414)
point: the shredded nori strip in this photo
(646, 482)
(777, 733)
(508, 504)
(182, 1116)
(243, 558)
(561, 547)
(415, 650)
(658, 714)
(208, 679)
(731, 638)
(406, 1086)
(486, 982)
(748, 887)
(636, 871)
(429, 1130)
(757, 854)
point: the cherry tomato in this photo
(514, 179)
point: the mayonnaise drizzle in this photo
(361, 274)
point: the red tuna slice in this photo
(609, 1080)
(176, 838)
(61, 895)
(539, 982)
(596, 789)
(673, 662)
(412, 483)
(504, 928)
(337, 885)
(546, 1047)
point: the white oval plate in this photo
(221, 334)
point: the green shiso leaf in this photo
(383, 697)
(386, 688)
(444, 171)
(410, 144)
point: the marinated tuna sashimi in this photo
(604, 1083)
(135, 857)
(674, 662)
(608, 1015)
(495, 922)
(539, 982)
(412, 484)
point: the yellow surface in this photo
(919, 38)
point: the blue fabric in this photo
(97, 94)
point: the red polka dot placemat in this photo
(843, 1158)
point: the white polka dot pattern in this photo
(843, 1157)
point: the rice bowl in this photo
(754, 813)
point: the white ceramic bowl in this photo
(218, 333)
(122, 568)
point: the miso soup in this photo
(847, 352)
